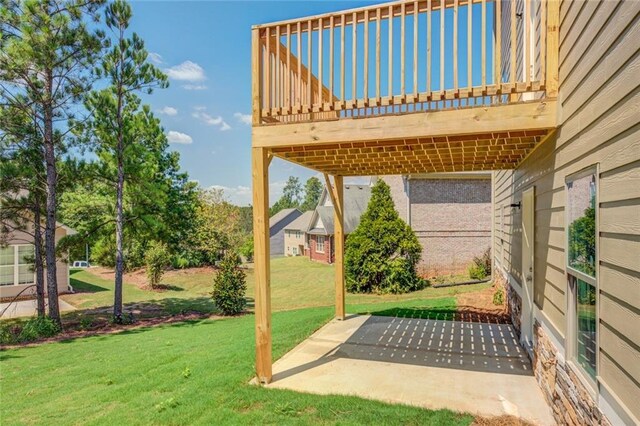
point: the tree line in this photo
(78, 146)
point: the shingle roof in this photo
(282, 214)
(356, 199)
(301, 223)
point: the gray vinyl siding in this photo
(600, 123)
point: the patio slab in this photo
(28, 308)
(470, 367)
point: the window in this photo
(295, 251)
(320, 243)
(16, 265)
(581, 269)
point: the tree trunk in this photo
(37, 240)
(117, 302)
(50, 223)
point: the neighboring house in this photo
(295, 235)
(277, 223)
(450, 214)
(320, 245)
(17, 275)
(552, 106)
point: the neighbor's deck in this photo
(407, 87)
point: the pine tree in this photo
(382, 253)
(312, 192)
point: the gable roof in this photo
(281, 215)
(356, 199)
(301, 223)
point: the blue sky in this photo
(205, 47)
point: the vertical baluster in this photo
(442, 59)
(484, 47)
(309, 66)
(470, 47)
(331, 55)
(455, 47)
(543, 41)
(390, 88)
(527, 40)
(320, 54)
(513, 46)
(402, 51)
(415, 51)
(342, 57)
(267, 71)
(378, 25)
(354, 58)
(299, 95)
(429, 11)
(277, 71)
(366, 58)
(497, 73)
(288, 77)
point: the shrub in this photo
(498, 296)
(246, 249)
(382, 252)
(481, 266)
(156, 258)
(38, 328)
(229, 286)
(180, 262)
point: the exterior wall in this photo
(451, 218)
(326, 256)
(294, 239)
(62, 268)
(600, 99)
(276, 232)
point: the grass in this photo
(296, 283)
(193, 372)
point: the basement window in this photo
(582, 271)
(320, 244)
(16, 265)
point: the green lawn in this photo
(186, 373)
(296, 283)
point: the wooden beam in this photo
(338, 241)
(331, 190)
(499, 118)
(260, 171)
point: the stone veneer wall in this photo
(569, 399)
(571, 402)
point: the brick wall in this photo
(326, 255)
(451, 218)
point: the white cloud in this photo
(179, 138)
(241, 195)
(209, 120)
(167, 110)
(186, 71)
(156, 58)
(243, 118)
(194, 87)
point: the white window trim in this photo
(591, 384)
(318, 250)
(16, 268)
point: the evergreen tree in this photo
(118, 122)
(382, 253)
(312, 193)
(290, 196)
(46, 52)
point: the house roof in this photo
(356, 199)
(302, 222)
(280, 216)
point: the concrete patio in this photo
(463, 366)
(28, 308)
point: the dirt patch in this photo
(139, 276)
(500, 421)
(478, 306)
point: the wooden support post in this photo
(260, 170)
(552, 39)
(338, 241)
(256, 74)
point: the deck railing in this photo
(401, 57)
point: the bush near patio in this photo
(382, 253)
(481, 266)
(229, 286)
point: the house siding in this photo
(450, 217)
(294, 239)
(599, 124)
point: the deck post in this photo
(338, 239)
(260, 171)
(552, 48)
